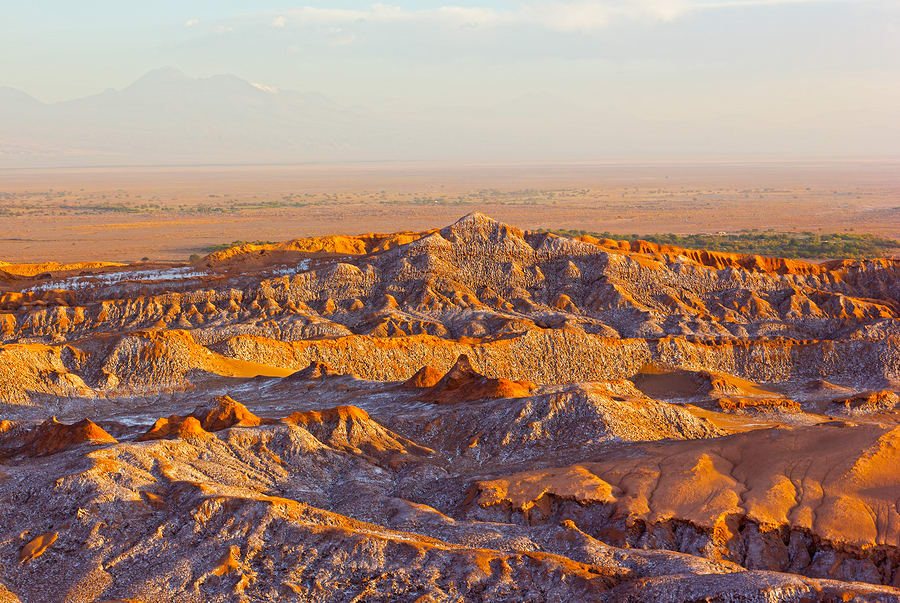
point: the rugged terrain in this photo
(466, 413)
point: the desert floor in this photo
(124, 214)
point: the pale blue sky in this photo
(816, 70)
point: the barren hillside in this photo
(471, 412)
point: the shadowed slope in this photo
(52, 437)
(469, 413)
(462, 383)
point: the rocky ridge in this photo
(473, 412)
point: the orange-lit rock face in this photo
(463, 383)
(51, 437)
(221, 413)
(427, 376)
(505, 298)
(36, 547)
(466, 413)
(351, 428)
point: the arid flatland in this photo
(167, 214)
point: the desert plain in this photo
(167, 214)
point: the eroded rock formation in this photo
(468, 413)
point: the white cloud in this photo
(471, 15)
(309, 14)
(589, 15)
(386, 13)
(265, 88)
(560, 15)
(191, 22)
(279, 21)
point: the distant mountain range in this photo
(167, 117)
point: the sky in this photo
(784, 76)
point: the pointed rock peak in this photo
(191, 428)
(161, 76)
(224, 412)
(220, 413)
(331, 416)
(475, 217)
(387, 302)
(175, 427)
(427, 376)
(51, 437)
(474, 222)
(479, 228)
(351, 429)
(462, 368)
(13, 95)
(315, 370)
(463, 383)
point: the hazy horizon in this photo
(639, 80)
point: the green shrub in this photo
(784, 245)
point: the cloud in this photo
(377, 13)
(265, 88)
(313, 15)
(191, 22)
(589, 15)
(473, 16)
(454, 16)
(560, 15)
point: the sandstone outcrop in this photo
(474, 412)
(462, 383)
